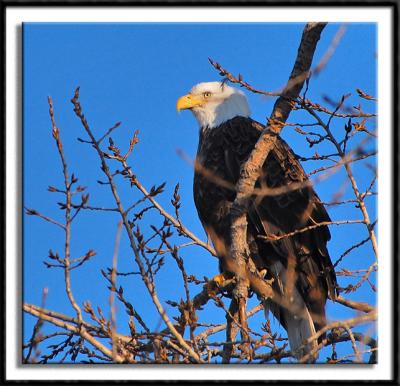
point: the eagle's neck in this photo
(214, 114)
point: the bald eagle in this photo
(299, 265)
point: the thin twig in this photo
(113, 279)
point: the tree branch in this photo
(250, 171)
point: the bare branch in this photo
(251, 168)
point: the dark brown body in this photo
(221, 152)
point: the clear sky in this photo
(134, 73)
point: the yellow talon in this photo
(219, 279)
(263, 272)
(216, 282)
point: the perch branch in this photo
(250, 171)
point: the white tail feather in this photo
(299, 329)
(299, 323)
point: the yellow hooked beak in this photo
(188, 102)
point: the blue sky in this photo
(134, 73)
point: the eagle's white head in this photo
(213, 103)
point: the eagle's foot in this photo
(220, 281)
(263, 272)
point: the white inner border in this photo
(381, 15)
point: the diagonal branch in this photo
(250, 171)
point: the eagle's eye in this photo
(207, 94)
